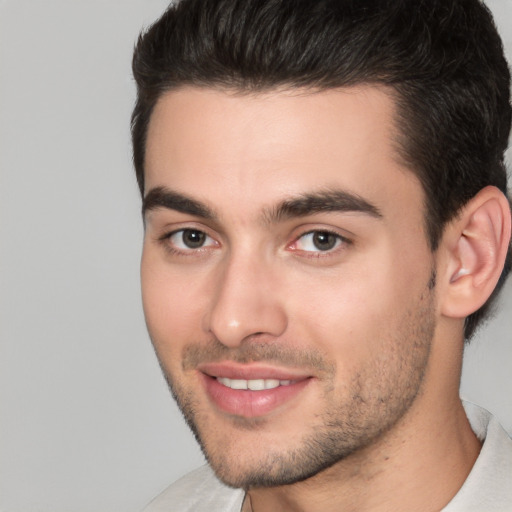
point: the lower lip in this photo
(247, 403)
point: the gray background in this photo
(86, 421)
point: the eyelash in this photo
(341, 240)
(165, 240)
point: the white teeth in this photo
(238, 384)
(256, 384)
(253, 384)
(271, 383)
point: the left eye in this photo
(186, 239)
(318, 241)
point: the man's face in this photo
(287, 281)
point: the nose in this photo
(246, 302)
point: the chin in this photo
(255, 464)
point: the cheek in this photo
(173, 306)
(351, 312)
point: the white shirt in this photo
(488, 487)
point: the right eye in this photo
(190, 239)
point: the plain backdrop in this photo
(86, 421)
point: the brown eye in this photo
(318, 241)
(324, 241)
(192, 238)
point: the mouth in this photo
(253, 384)
(251, 390)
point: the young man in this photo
(326, 222)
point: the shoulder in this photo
(488, 484)
(198, 491)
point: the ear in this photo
(476, 245)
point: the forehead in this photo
(254, 148)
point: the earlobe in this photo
(477, 242)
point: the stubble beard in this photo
(378, 397)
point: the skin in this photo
(362, 322)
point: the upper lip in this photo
(250, 371)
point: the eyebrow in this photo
(162, 197)
(331, 200)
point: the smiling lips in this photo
(253, 384)
(250, 391)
